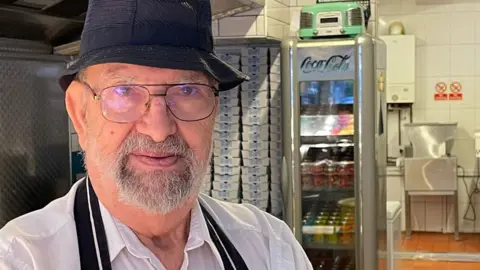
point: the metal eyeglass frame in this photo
(164, 95)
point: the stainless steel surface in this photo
(23, 24)
(431, 174)
(24, 46)
(431, 139)
(226, 8)
(456, 229)
(440, 256)
(408, 215)
(69, 49)
(381, 139)
(369, 168)
(291, 141)
(431, 177)
(34, 164)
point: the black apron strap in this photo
(86, 244)
(227, 250)
(232, 260)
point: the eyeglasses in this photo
(128, 103)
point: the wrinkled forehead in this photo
(127, 73)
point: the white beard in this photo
(155, 192)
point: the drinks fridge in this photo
(334, 145)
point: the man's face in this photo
(157, 161)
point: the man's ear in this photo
(76, 102)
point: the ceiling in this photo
(59, 22)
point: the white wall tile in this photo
(462, 60)
(421, 61)
(437, 115)
(237, 26)
(477, 117)
(477, 27)
(427, 6)
(306, 2)
(477, 60)
(466, 122)
(437, 61)
(468, 91)
(252, 12)
(437, 27)
(462, 6)
(279, 13)
(260, 23)
(390, 7)
(462, 27)
(421, 85)
(464, 150)
(419, 115)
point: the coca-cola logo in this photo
(336, 63)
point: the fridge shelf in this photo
(315, 140)
(326, 125)
(326, 109)
(316, 190)
(328, 145)
(316, 246)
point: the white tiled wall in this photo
(448, 40)
(448, 49)
(272, 21)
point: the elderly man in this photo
(142, 97)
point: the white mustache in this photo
(174, 145)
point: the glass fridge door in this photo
(327, 173)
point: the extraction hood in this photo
(58, 22)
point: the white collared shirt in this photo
(47, 240)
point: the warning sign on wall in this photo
(455, 91)
(440, 91)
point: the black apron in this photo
(231, 259)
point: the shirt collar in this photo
(119, 236)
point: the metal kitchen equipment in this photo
(334, 145)
(34, 139)
(429, 168)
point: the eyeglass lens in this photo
(128, 103)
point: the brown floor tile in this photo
(463, 266)
(439, 242)
(456, 246)
(427, 265)
(433, 237)
(441, 247)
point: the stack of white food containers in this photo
(255, 129)
(275, 133)
(227, 142)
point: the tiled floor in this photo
(439, 242)
(430, 265)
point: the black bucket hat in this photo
(175, 34)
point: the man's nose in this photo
(158, 122)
